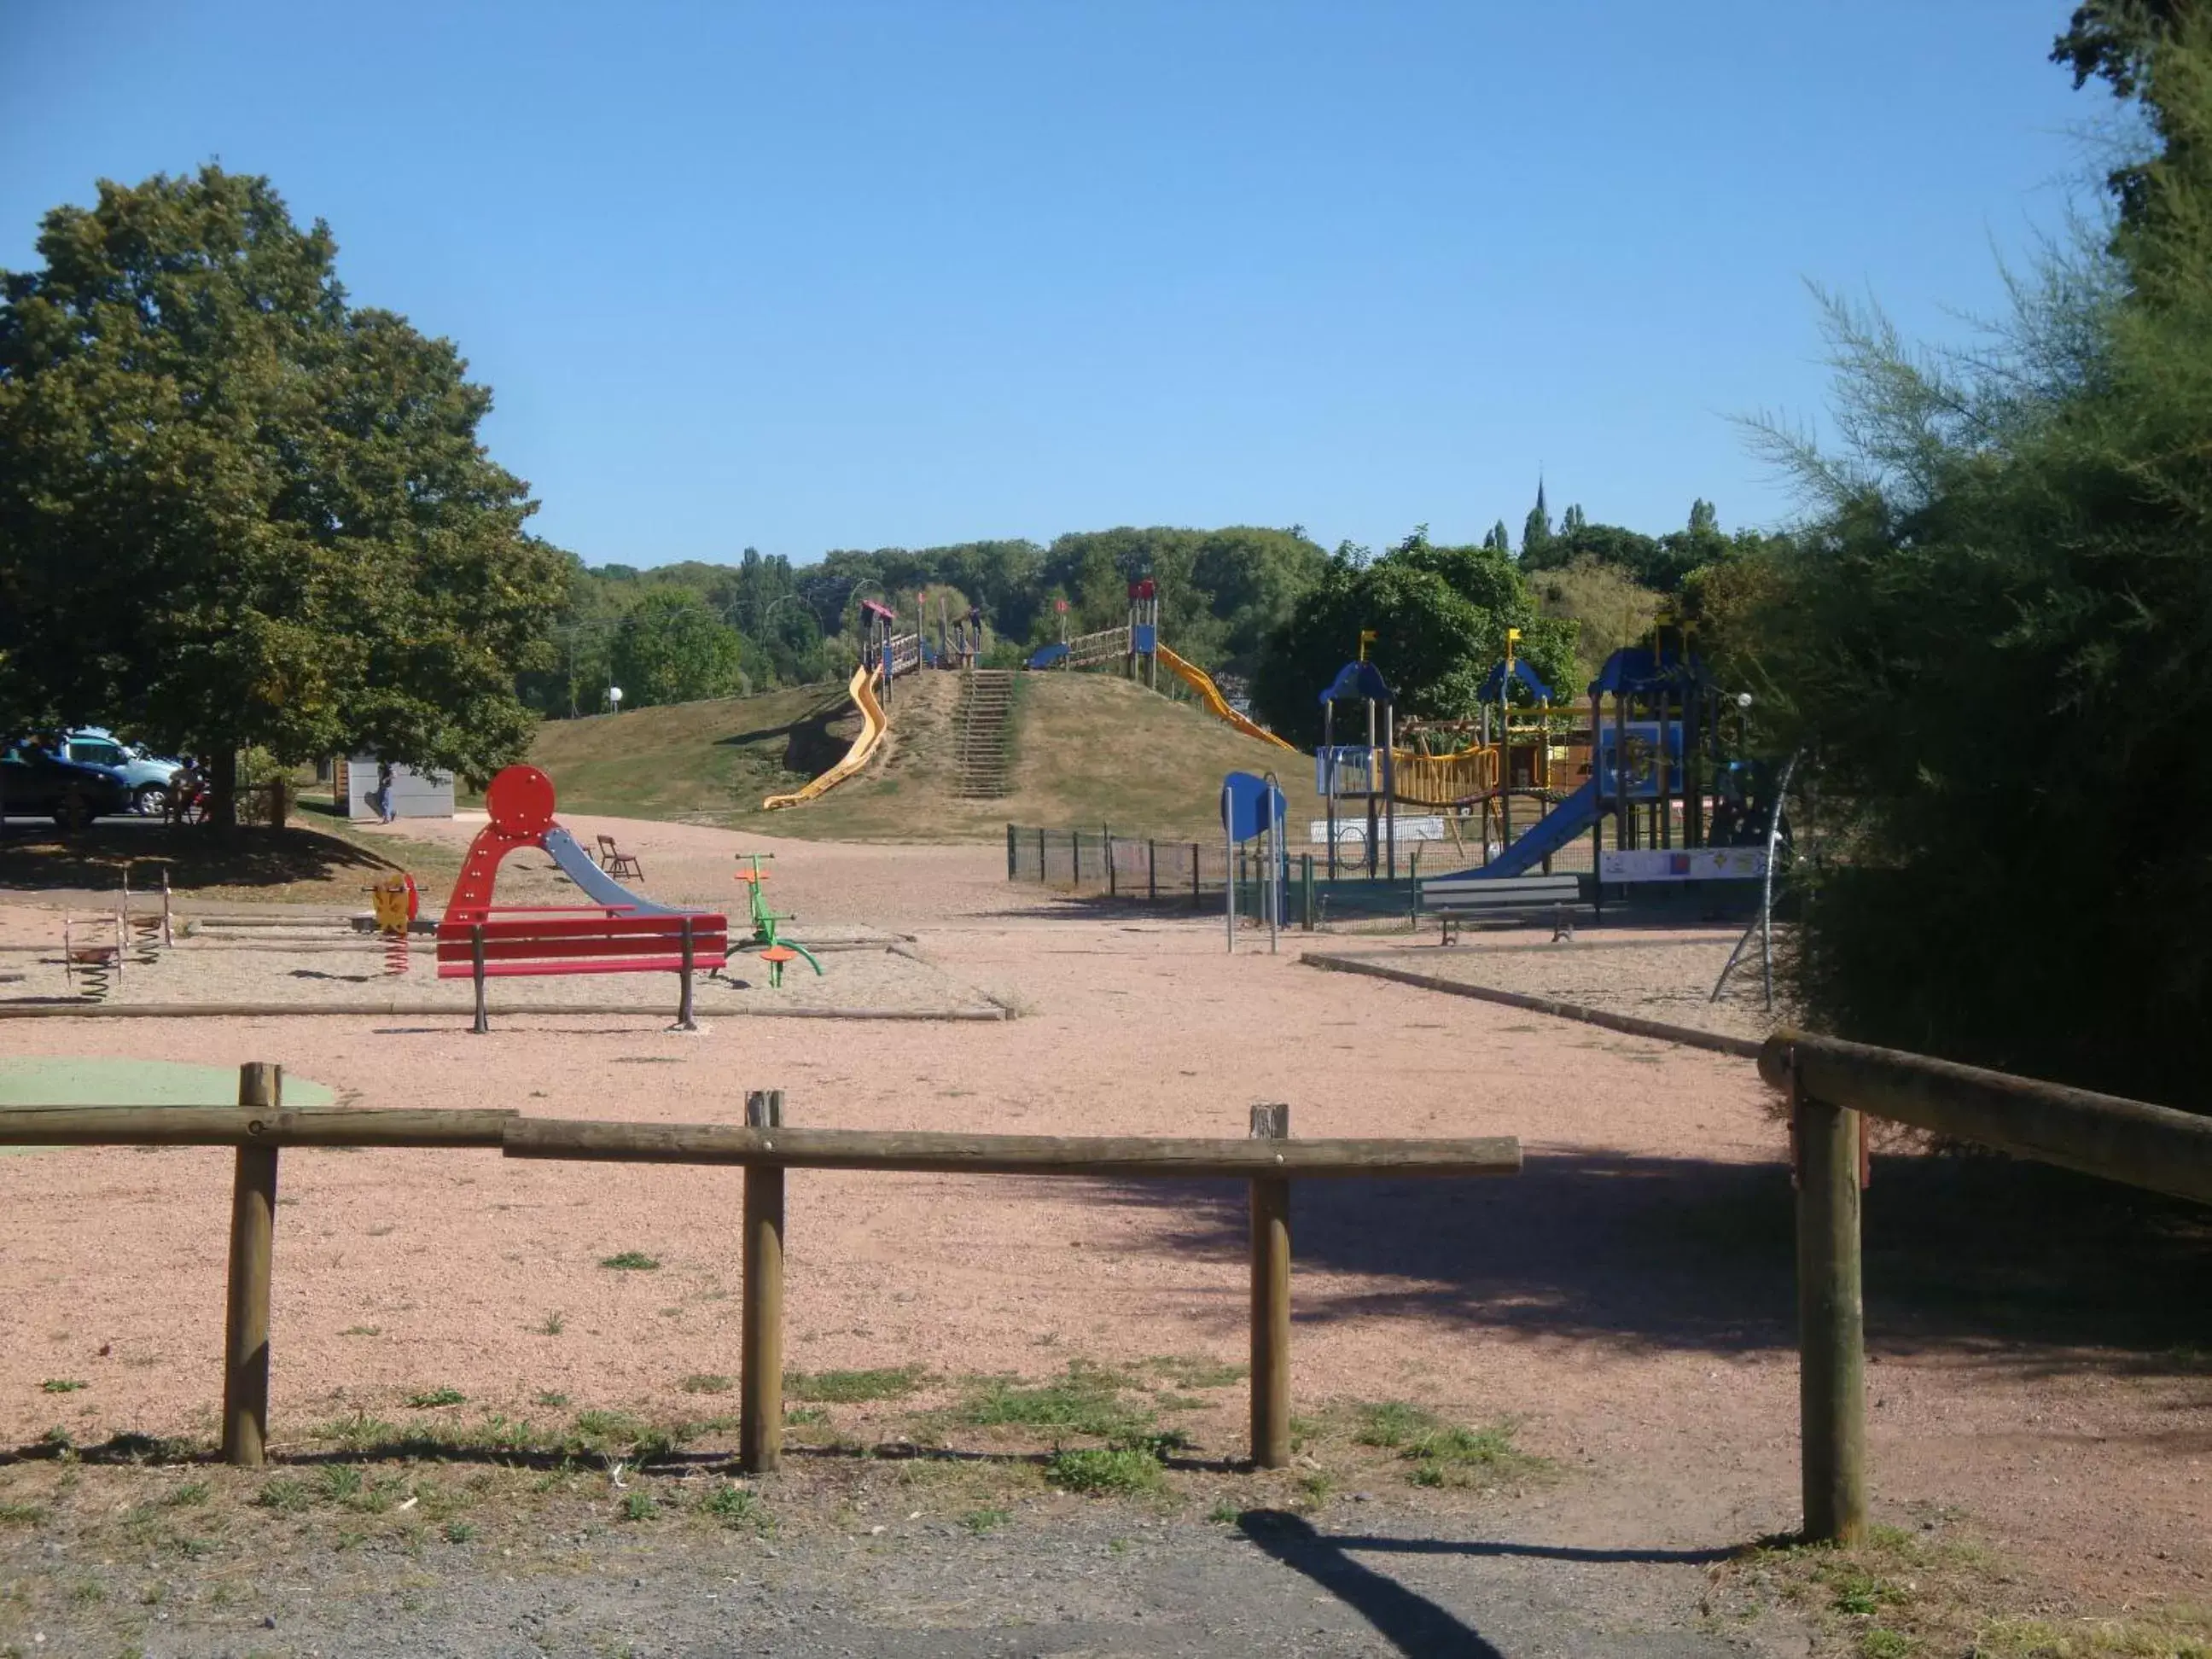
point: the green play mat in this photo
(48, 1082)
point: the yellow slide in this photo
(873, 725)
(1210, 694)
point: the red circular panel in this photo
(520, 800)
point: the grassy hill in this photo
(1089, 749)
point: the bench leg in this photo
(685, 1021)
(1563, 926)
(477, 953)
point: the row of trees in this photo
(1266, 606)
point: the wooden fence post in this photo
(1042, 875)
(1113, 885)
(1831, 1321)
(246, 1319)
(1270, 1300)
(1075, 858)
(476, 958)
(760, 1370)
(1009, 852)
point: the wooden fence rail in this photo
(1832, 1085)
(260, 1125)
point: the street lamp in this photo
(614, 699)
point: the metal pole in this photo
(1372, 826)
(1390, 781)
(1328, 778)
(1275, 846)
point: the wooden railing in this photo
(259, 1126)
(1831, 1085)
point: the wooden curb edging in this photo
(1688, 1036)
(441, 1010)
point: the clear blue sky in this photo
(808, 275)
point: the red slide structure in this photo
(620, 933)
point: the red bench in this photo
(569, 941)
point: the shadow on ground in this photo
(195, 856)
(1977, 1255)
(810, 744)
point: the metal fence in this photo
(1195, 875)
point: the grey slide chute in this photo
(597, 886)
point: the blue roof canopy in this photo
(1635, 669)
(1493, 682)
(1355, 681)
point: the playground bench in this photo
(563, 942)
(615, 862)
(1452, 898)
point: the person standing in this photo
(384, 792)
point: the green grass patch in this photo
(431, 1398)
(62, 1385)
(851, 1388)
(287, 1494)
(1084, 1399)
(635, 1261)
(800, 1416)
(1903, 1594)
(736, 1506)
(986, 1520)
(22, 1515)
(1197, 1371)
(707, 1382)
(639, 1506)
(1443, 1454)
(1119, 1469)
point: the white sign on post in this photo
(1683, 864)
(1431, 828)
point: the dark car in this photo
(34, 782)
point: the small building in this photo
(413, 795)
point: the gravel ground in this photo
(1625, 1302)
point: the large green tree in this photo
(1995, 640)
(1439, 614)
(236, 510)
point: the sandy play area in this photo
(1627, 1301)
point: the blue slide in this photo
(597, 886)
(1547, 836)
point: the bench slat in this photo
(622, 965)
(588, 926)
(703, 945)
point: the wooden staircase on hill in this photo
(986, 704)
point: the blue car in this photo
(148, 776)
(36, 783)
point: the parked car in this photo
(36, 783)
(149, 775)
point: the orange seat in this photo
(775, 955)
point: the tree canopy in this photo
(236, 509)
(1995, 638)
(1440, 615)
